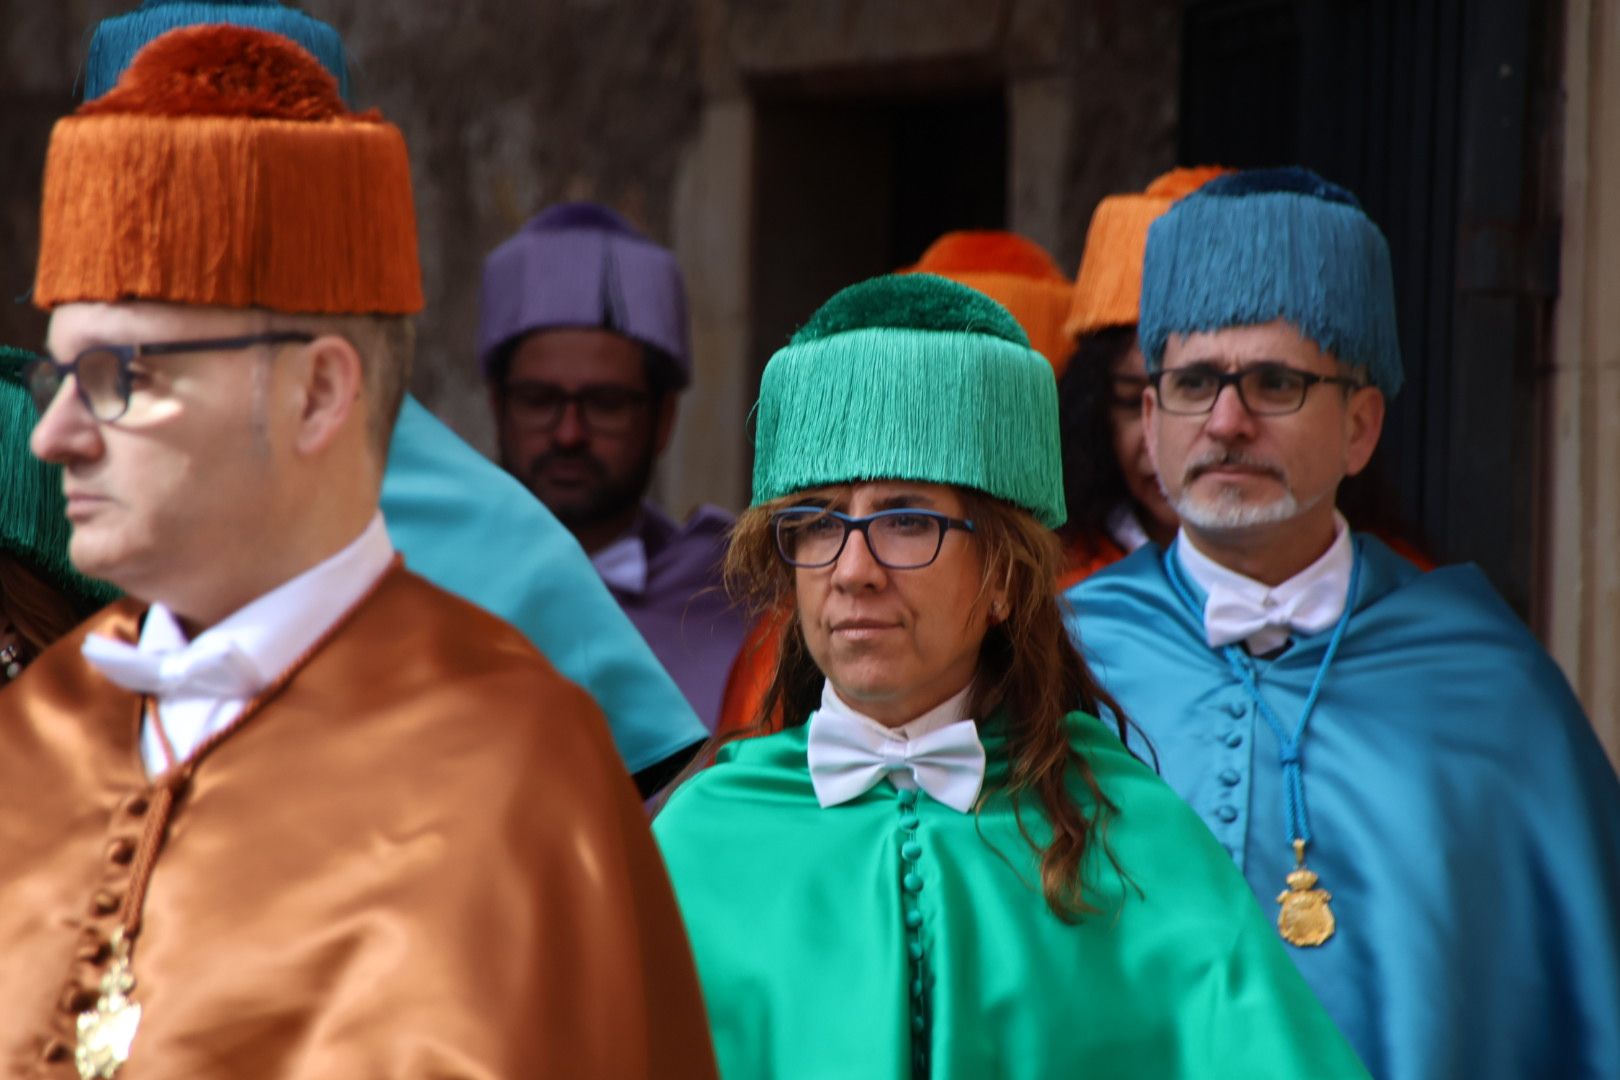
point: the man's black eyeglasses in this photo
(1264, 389)
(604, 410)
(811, 537)
(101, 374)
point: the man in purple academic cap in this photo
(583, 342)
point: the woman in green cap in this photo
(945, 866)
(41, 596)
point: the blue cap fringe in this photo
(118, 39)
(1271, 244)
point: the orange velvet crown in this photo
(1108, 287)
(1016, 273)
(224, 169)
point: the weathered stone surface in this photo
(650, 106)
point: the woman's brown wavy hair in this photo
(1029, 673)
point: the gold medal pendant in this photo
(1305, 920)
(107, 1030)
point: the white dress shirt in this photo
(1125, 528)
(623, 563)
(1262, 616)
(946, 713)
(268, 636)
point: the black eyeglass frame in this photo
(43, 394)
(579, 400)
(1234, 379)
(863, 526)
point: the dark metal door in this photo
(1437, 114)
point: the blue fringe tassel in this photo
(118, 39)
(1253, 251)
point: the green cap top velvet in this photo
(33, 514)
(911, 377)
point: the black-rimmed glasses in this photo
(603, 409)
(102, 377)
(810, 537)
(1264, 389)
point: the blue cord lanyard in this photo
(1242, 665)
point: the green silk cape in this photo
(891, 936)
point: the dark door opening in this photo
(1434, 112)
(846, 189)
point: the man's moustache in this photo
(1228, 459)
(539, 463)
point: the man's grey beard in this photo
(1227, 511)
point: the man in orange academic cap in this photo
(288, 811)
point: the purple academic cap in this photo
(580, 265)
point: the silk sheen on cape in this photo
(1465, 818)
(795, 917)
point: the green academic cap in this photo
(33, 514)
(911, 377)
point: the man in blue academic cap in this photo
(1397, 766)
(449, 511)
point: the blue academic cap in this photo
(119, 38)
(1267, 244)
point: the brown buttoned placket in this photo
(103, 973)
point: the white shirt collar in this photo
(1315, 597)
(623, 563)
(272, 633)
(1125, 528)
(947, 712)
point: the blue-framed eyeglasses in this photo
(101, 374)
(810, 537)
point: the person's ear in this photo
(663, 421)
(1363, 424)
(332, 383)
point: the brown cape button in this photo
(121, 851)
(137, 806)
(55, 1050)
(105, 902)
(76, 999)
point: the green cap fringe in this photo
(33, 514)
(911, 377)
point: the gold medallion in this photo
(107, 1030)
(1305, 920)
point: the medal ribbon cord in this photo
(1242, 665)
(174, 778)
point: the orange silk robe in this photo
(420, 858)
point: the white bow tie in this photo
(209, 668)
(848, 758)
(1231, 616)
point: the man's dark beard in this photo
(605, 500)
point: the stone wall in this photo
(648, 105)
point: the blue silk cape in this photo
(468, 527)
(1465, 818)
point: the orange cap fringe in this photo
(1108, 287)
(225, 170)
(1015, 272)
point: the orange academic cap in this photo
(224, 169)
(1016, 273)
(1108, 287)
